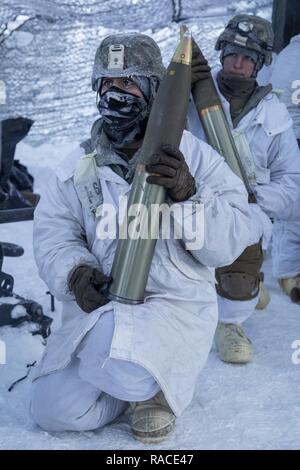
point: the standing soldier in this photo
(263, 128)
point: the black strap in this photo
(22, 378)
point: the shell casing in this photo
(133, 257)
(216, 127)
(183, 53)
(213, 121)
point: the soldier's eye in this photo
(107, 82)
(128, 82)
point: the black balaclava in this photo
(125, 115)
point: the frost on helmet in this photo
(123, 55)
(250, 32)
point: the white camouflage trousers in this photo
(235, 311)
(93, 389)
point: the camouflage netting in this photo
(47, 50)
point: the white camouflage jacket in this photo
(268, 129)
(171, 333)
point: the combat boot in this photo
(232, 344)
(291, 286)
(152, 420)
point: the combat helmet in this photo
(127, 54)
(250, 32)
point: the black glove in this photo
(171, 171)
(85, 282)
(200, 67)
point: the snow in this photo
(19, 39)
(255, 406)
(17, 312)
(51, 72)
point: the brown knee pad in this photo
(240, 280)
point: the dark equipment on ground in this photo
(34, 311)
(17, 203)
(17, 199)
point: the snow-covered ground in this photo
(256, 406)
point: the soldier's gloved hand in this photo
(171, 171)
(86, 282)
(200, 67)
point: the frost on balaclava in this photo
(125, 115)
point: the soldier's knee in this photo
(53, 410)
(240, 280)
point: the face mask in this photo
(235, 87)
(124, 116)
